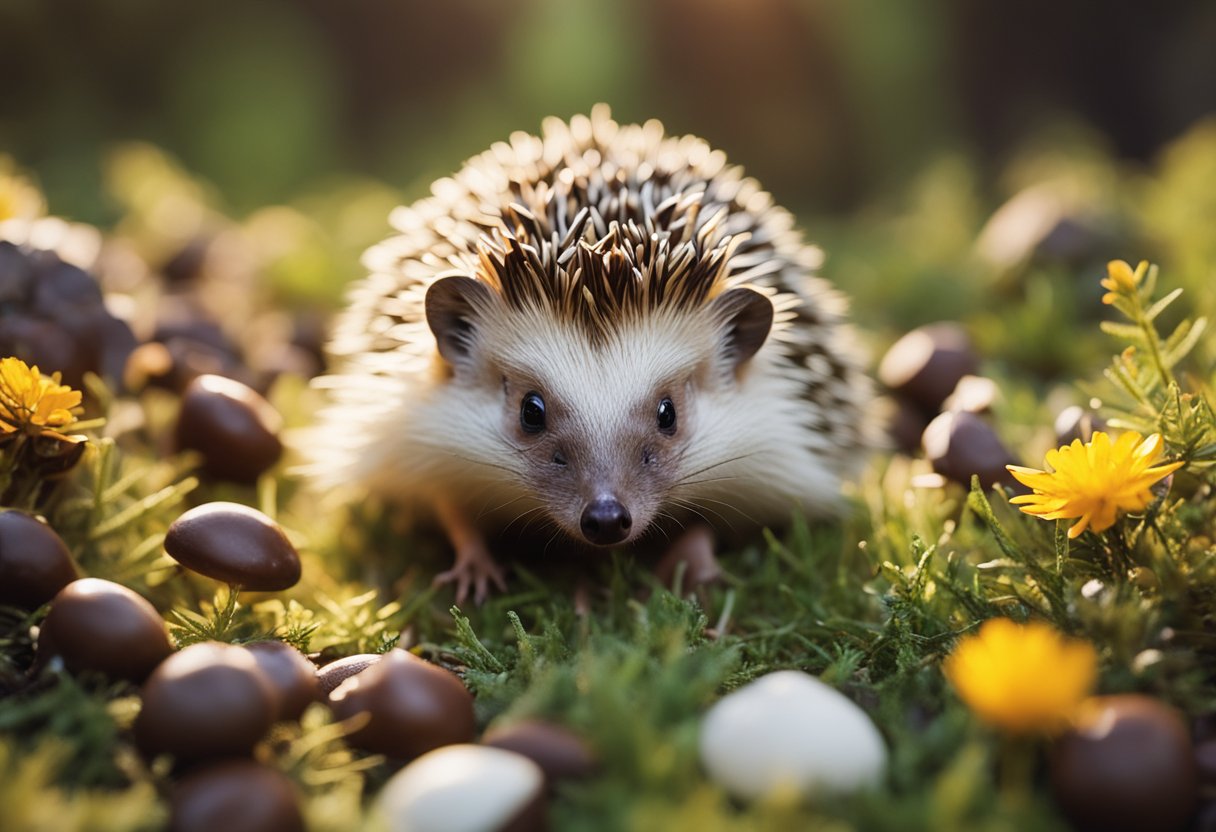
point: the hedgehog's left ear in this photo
(453, 311)
(746, 317)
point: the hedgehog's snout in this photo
(605, 521)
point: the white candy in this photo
(788, 730)
(459, 788)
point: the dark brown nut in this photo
(560, 753)
(234, 428)
(1077, 422)
(337, 672)
(1127, 764)
(974, 394)
(101, 626)
(926, 364)
(34, 562)
(907, 422)
(961, 444)
(235, 796)
(413, 706)
(290, 673)
(207, 701)
(236, 544)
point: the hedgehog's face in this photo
(600, 432)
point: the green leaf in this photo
(1159, 307)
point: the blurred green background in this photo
(894, 129)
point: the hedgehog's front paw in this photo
(690, 561)
(474, 567)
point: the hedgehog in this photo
(606, 331)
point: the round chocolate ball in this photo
(236, 544)
(413, 706)
(234, 428)
(1127, 764)
(337, 672)
(235, 796)
(290, 673)
(960, 444)
(34, 561)
(560, 753)
(926, 364)
(209, 700)
(101, 626)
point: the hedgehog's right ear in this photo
(454, 306)
(746, 316)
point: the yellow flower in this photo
(1095, 481)
(1121, 279)
(32, 401)
(18, 197)
(1022, 678)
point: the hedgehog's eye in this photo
(532, 413)
(667, 417)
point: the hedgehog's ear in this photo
(454, 306)
(746, 317)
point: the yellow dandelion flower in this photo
(32, 401)
(1121, 279)
(1022, 678)
(1096, 481)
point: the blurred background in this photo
(946, 153)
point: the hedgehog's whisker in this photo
(707, 468)
(520, 516)
(488, 510)
(696, 509)
(730, 506)
(703, 481)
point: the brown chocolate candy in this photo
(560, 753)
(1077, 422)
(1127, 764)
(234, 428)
(290, 673)
(235, 796)
(236, 544)
(34, 561)
(413, 705)
(961, 444)
(926, 364)
(337, 672)
(207, 701)
(101, 626)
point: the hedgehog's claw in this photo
(690, 561)
(474, 568)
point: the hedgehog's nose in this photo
(605, 521)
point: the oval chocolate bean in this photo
(960, 444)
(34, 561)
(413, 706)
(290, 673)
(209, 700)
(560, 753)
(101, 626)
(236, 544)
(927, 364)
(234, 428)
(235, 796)
(1127, 764)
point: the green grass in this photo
(871, 603)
